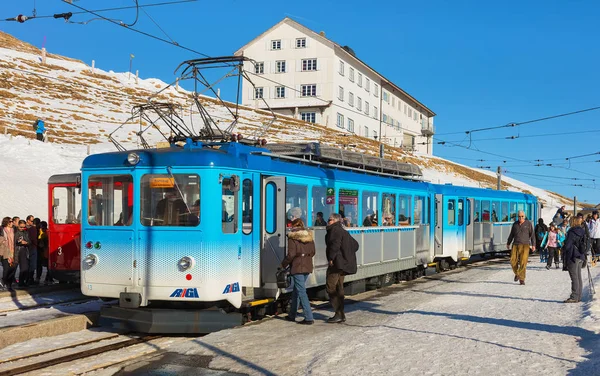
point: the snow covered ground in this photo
(474, 322)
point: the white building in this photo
(301, 73)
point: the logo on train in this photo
(185, 293)
(233, 287)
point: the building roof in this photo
(339, 49)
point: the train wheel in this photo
(444, 265)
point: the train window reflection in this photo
(348, 206)
(461, 211)
(322, 202)
(388, 209)
(477, 217)
(513, 211)
(495, 211)
(110, 200)
(66, 205)
(485, 210)
(404, 211)
(504, 211)
(296, 202)
(451, 212)
(247, 206)
(419, 213)
(229, 208)
(170, 200)
(369, 208)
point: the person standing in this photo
(553, 241)
(540, 232)
(341, 255)
(43, 252)
(574, 258)
(40, 129)
(523, 235)
(560, 215)
(320, 221)
(33, 251)
(22, 252)
(594, 229)
(7, 253)
(301, 250)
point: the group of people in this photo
(573, 238)
(23, 247)
(341, 250)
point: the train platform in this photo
(475, 320)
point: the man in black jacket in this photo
(341, 255)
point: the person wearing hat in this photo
(594, 230)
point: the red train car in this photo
(64, 226)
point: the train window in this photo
(369, 208)
(348, 206)
(110, 200)
(495, 211)
(485, 211)
(505, 212)
(477, 217)
(229, 206)
(420, 216)
(529, 213)
(404, 211)
(170, 200)
(388, 209)
(296, 202)
(521, 206)
(247, 206)
(66, 205)
(271, 208)
(323, 200)
(513, 211)
(461, 211)
(451, 212)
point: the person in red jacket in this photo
(301, 250)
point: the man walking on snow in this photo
(523, 235)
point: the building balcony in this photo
(427, 129)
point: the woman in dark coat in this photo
(574, 258)
(301, 250)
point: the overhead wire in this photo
(140, 31)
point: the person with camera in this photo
(301, 250)
(7, 253)
(22, 252)
(574, 258)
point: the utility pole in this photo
(574, 206)
(381, 151)
(499, 183)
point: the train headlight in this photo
(186, 263)
(90, 260)
(133, 159)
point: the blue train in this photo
(205, 222)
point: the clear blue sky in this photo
(476, 64)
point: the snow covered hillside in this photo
(82, 106)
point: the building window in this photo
(410, 112)
(259, 68)
(405, 109)
(366, 131)
(258, 93)
(280, 92)
(367, 85)
(351, 74)
(375, 112)
(366, 108)
(276, 44)
(308, 90)
(385, 118)
(358, 104)
(309, 117)
(340, 120)
(300, 42)
(280, 66)
(309, 65)
(415, 115)
(359, 82)
(375, 90)
(351, 99)
(386, 96)
(350, 125)
(341, 93)
(341, 67)
(393, 101)
(399, 105)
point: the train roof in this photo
(65, 178)
(449, 189)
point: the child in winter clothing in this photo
(553, 240)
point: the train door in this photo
(64, 227)
(272, 229)
(469, 226)
(439, 228)
(250, 231)
(453, 225)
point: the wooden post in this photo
(44, 55)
